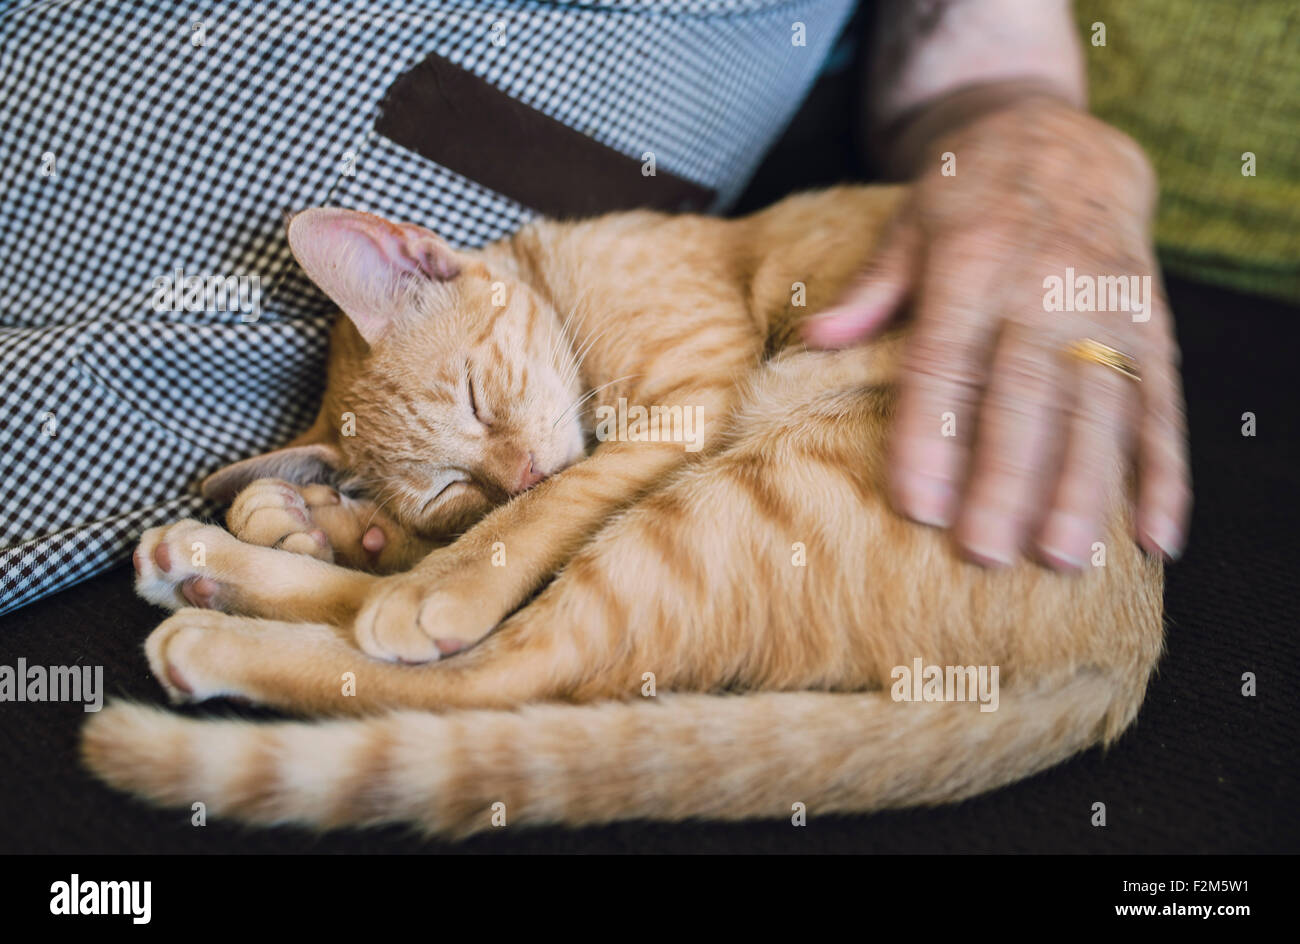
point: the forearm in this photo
(935, 65)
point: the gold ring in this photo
(1086, 349)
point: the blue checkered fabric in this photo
(138, 138)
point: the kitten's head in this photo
(462, 384)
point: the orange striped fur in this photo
(669, 634)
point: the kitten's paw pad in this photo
(171, 564)
(407, 621)
(201, 592)
(186, 651)
(274, 513)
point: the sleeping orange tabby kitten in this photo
(761, 557)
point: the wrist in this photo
(903, 147)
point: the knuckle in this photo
(1158, 354)
(1000, 469)
(1012, 416)
(1012, 468)
(1025, 376)
(1125, 261)
(1098, 429)
(1101, 408)
(936, 356)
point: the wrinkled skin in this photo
(1039, 436)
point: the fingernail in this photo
(927, 499)
(1066, 539)
(1165, 535)
(989, 538)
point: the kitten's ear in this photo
(361, 261)
(301, 465)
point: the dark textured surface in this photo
(1204, 770)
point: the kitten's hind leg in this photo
(189, 563)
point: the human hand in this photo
(999, 433)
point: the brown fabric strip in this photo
(451, 116)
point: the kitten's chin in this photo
(574, 457)
(578, 448)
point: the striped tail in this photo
(671, 758)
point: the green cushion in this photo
(1199, 83)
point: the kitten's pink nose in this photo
(528, 474)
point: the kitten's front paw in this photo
(416, 618)
(174, 564)
(277, 514)
(176, 651)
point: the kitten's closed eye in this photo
(444, 484)
(480, 414)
